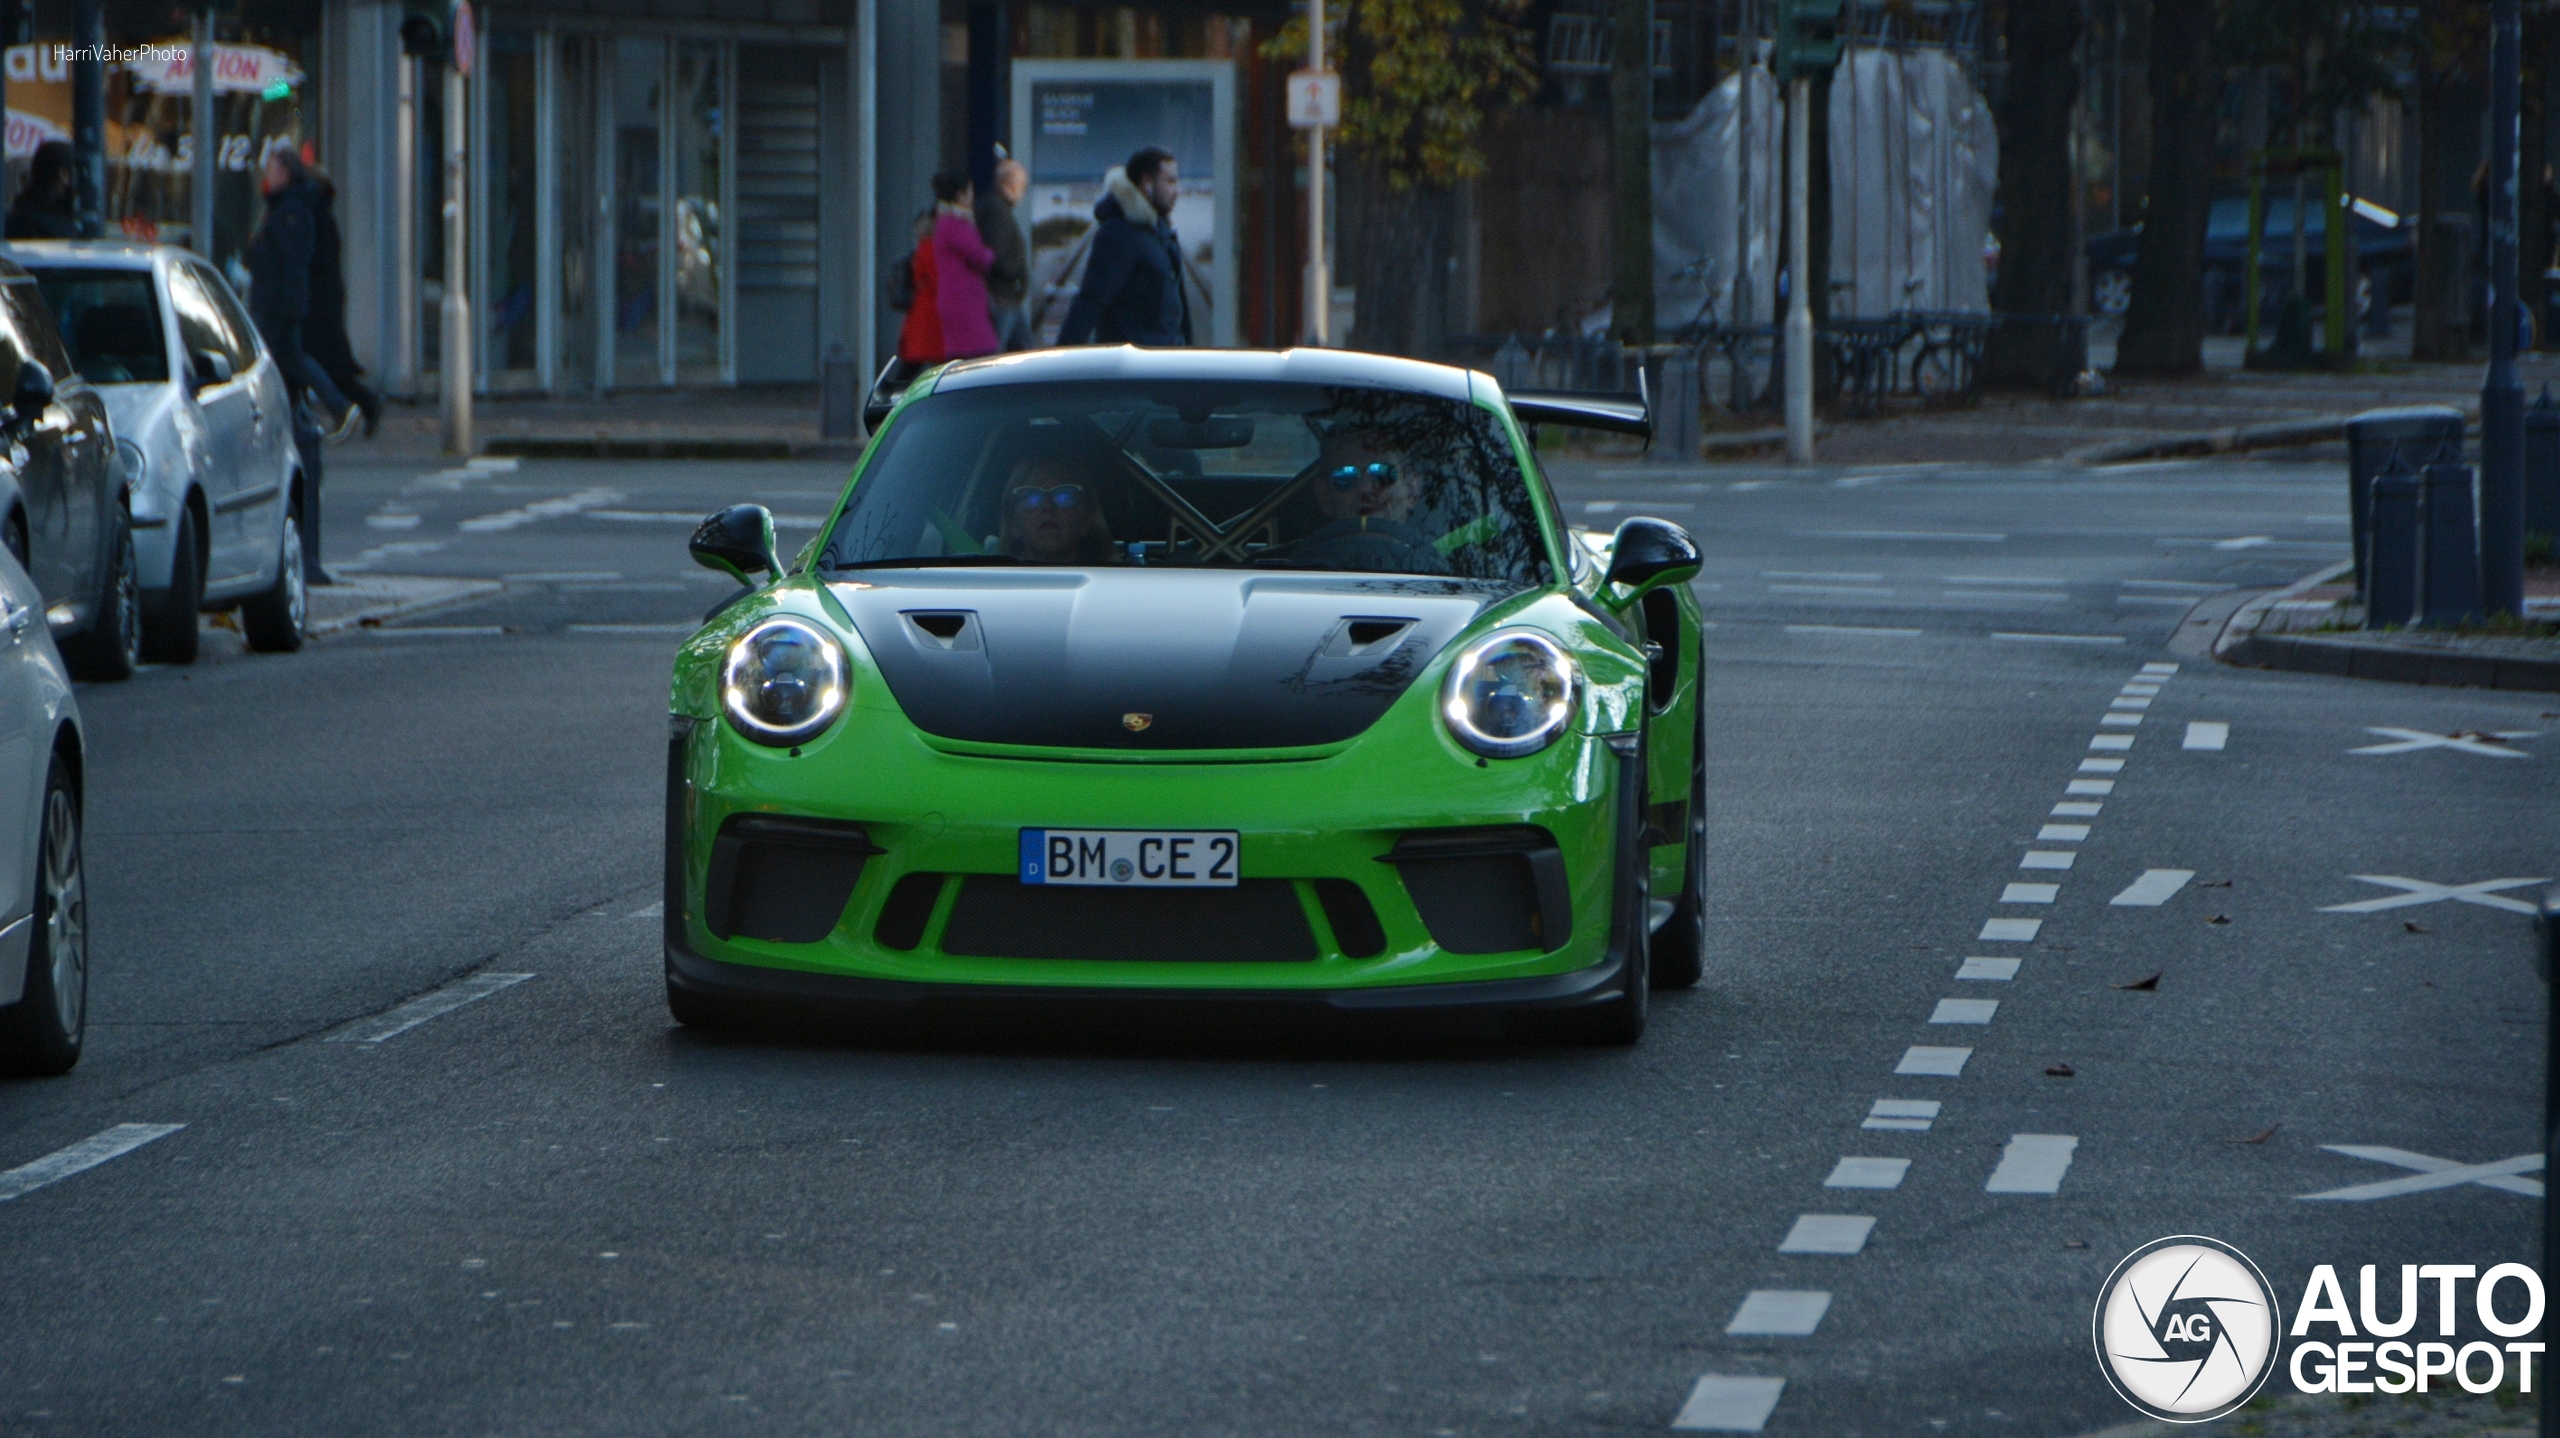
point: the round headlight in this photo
(784, 681)
(1509, 694)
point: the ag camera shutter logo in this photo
(2186, 1328)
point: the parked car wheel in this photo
(112, 647)
(169, 627)
(40, 1035)
(2111, 291)
(273, 620)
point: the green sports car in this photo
(1125, 676)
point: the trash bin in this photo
(2448, 547)
(2417, 433)
(2542, 474)
(2390, 556)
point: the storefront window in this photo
(701, 239)
(639, 85)
(513, 92)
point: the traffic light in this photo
(426, 29)
(1808, 38)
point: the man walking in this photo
(1009, 278)
(1132, 291)
(280, 294)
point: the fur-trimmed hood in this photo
(1120, 191)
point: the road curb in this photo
(368, 601)
(2280, 435)
(2239, 644)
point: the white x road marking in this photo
(2433, 1173)
(2419, 891)
(2405, 740)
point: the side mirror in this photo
(211, 367)
(738, 541)
(1648, 554)
(893, 379)
(34, 392)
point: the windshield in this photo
(1195, 474)
(110, 321)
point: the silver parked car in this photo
(44, 910)
(204, 423)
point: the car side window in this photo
(245, 348)
(200, 322)
(31, 324)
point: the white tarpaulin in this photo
(1718, 177)
(1914, 159)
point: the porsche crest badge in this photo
(1136, 723)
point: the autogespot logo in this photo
(2186, 1328)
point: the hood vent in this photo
(943, 628)
(1361, 638)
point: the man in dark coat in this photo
(43, 209)
(1132, 291)
(1009, 278)
(324, 326)
(280, 290)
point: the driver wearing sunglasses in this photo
(1051, 515)
(1366, 495)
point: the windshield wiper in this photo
(929, 561)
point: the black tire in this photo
(169, 618)
(273, 619)
(40, 1035)
(1679, 948)
(111, 648)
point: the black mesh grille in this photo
(1259, 921)
(905, 912)
(1355, 923)
(781, 878)
(1486, 904)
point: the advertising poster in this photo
(1074, 120)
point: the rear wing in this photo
(1575, 409)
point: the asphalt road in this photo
(549, 1211)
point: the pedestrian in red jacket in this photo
(920, 341)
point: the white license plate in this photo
(1138, 858)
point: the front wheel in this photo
(40, 1035)
(274, 619)
(112, 647)
(169, 619)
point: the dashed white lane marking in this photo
(1852, 629)
(1995, 970)
(1779, 1313)
(565, 576)
(2010, 931)
(657, 910)
(1827, 1233)
(674, 516)
(1835, 577)
(1723, 1403)
(2108, 744)
(2206, 734)
(2140, 687)
(438, 631)
(2104, 766)
(2029, 893)
(1851, 589)
(2246, 541)
(2419, 891)
(540, 509)
(1964, 1011)
(468, 989)
(1925, 1061)
(2154, 888)
(2160, 668)
(2047, 859)
(2090, 786)
(1913, 1115)
(2433, 1173)
(2063, 833)
(2407, 740)
(2006, 596)
(2076, 809)
(2130, 701)
(2033, 1163)
(633, 628)
(2025, 638)
(390, 520)
(1997, 579)
(1868, 1173)
(2181, 600)
(2196, 585)
(1951, 536)
(2114, 720)
(87, 1154)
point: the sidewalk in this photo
(760, 422)
(2316, 627)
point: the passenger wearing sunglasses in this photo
(1051, 517)
(1367, 496)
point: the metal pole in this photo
(207, 136)
(2502, 396)
(454, 349)
(1319, 273)
(1800, 287)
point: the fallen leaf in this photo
(2478, 736)
(2216, 884)
(2059, 1071)
(2261, 1136)
(2075, 1243)
(2145, 985)
(2430, 983)
(2219, 919)
(2415, 928)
